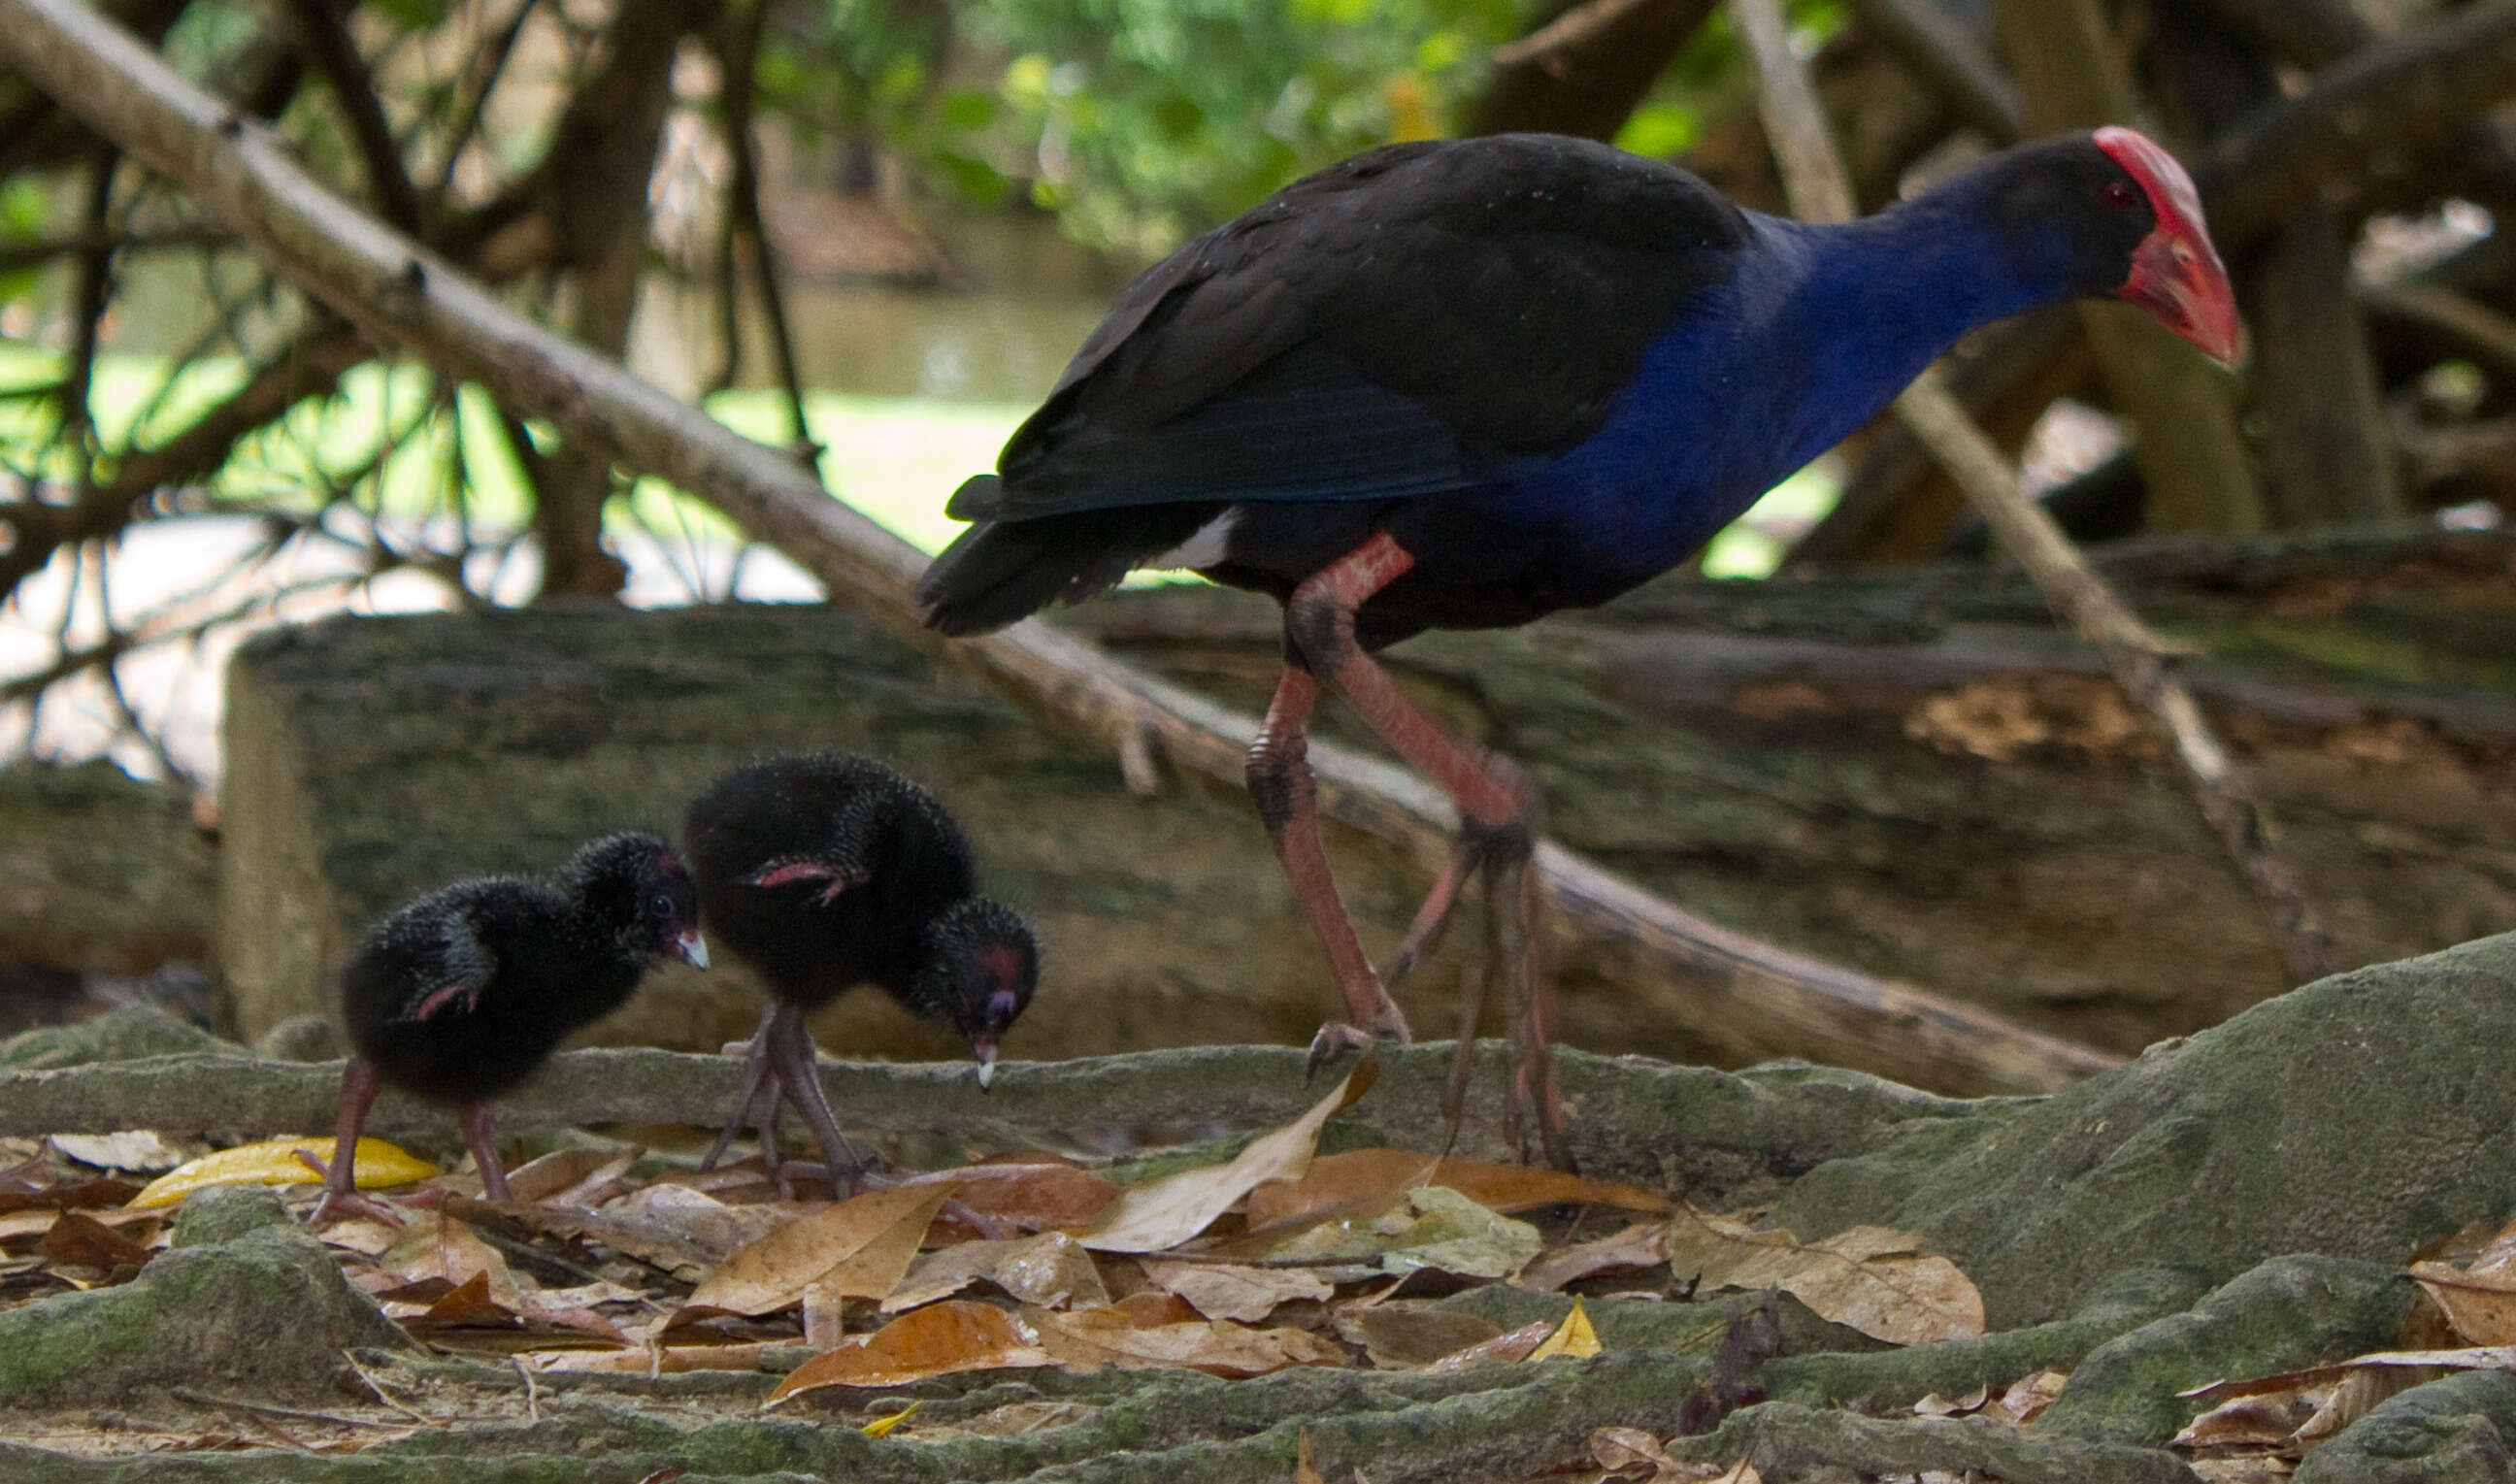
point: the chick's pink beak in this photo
(2175, 272)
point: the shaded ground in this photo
(2238, 1205)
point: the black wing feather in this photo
(1421, 318)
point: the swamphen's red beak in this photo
(2175, 272)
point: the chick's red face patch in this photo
(1002, 964)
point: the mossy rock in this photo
(2458, 1431)
(2287, 1314)
(99, 872)
(256, 1309)
(117, 1035)
(2358, 1117)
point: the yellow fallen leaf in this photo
(1162, 1213)
(1574, 1338)
(276, 1163)
(881, 1427)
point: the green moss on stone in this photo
(2458, 1431)
(2287, 1314)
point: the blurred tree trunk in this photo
(2181, 407)
(596, 176)
(2329, 455)
(1585, 66)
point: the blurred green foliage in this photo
(1141, 122)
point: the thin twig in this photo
(388, 1398)
(532, 1389)
(302, 1414)
(749, 236)
(327, 41)
(1564, 32)
(491, 67)
(1815, 178)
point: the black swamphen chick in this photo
(828, 869)
(458, 996)
(1464, 384)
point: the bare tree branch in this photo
(1755, 1000)
(1587, 77)
(2404, 97)
(2079, 596)
(747, 233)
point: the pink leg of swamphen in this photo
(1496, 834)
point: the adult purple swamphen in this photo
(458, 996)
(824, 871)
(1464, 384)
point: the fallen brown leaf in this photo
(467, 1304)
(564, 1170)
(2266, 1420)
(859, 1247)
(2480, 1304)
(1508, 1348)
(682, 1230)
(2476, 1358)
(938, 1340)
(1936, 1405)
(91, 1194)
(1869, 1277)
(80, 1241)
(1090, 1339)
(659, 1360)
(1404, 1335)
(29, 1220)
(1162, 1213)
(1642, 1245)
(1630, 1453)
(1436, 1227)
(1230, 1291)
(437, 1246)
(2028, 1395)
(1364, 1182)
(1052, 1270)
(1035, 1197)
(1303, 1473)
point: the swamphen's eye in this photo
(661, 906)
(2119, 195)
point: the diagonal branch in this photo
(2079, 596)
(1754, 1000)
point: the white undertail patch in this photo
(1206, 549)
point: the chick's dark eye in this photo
(662, 907)
(2119, 195)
